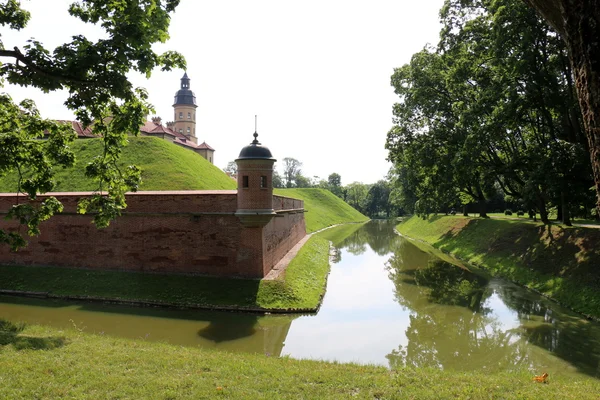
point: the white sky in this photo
(316, 72)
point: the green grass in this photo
(45, 363)
(323, 208)
(165, 166)
(301, 288)
(559, 262)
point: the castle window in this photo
(180, 115)
(188, 130)
(263, 182)
(189, 115)
(245, 181)
(181, 131)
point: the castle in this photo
(225, 233)
(181, 131)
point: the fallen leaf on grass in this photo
(541, 378)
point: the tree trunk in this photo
(541, 203)
(578, 22)
(566, 218)
(482, 208)
(465, 213)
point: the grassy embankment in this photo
(169, 167)
(164, 167)
(559, 262)
(46, 363)
(323, 208)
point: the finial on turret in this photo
(255, 141)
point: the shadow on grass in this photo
(548, 249)
(10, 334)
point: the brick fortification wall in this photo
(169, 232)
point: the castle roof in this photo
(82, 132)
(205, 146)
(184, 95)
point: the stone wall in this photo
(169, 232)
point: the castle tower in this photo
(185, 110)
(255, 185)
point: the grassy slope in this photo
(323, 208)
(302, 287)
(559, 262)
(165, 166)
(46, 363)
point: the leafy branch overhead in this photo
(99, 94)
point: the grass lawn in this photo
(300, 288)
(559, 262)
(323, 208)
(44, 363)
(165, 166)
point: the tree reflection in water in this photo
(464, 321)
(452, 325)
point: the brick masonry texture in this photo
(193, 232)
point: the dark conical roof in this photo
(185, 95)
(255, 151)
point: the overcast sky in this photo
(317, 74)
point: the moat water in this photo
(388, 302)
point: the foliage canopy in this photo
(94, 73)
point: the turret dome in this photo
(255, 151)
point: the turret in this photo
(184, 108)
(255, 184)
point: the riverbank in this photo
(299, 289)
(558, 262)
(45, 363)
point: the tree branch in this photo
(16, 53)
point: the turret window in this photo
(263, 182)
(180, 115)
(189, 115)
(245, 181)
(188, 130)
(181, 131)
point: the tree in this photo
(95, 75)
(302, 181)
(377, 202)
(335, 184)
(578, 24)
(357, 195)
(277, 180)
(492, 107)
(231, 168)
(291, 169)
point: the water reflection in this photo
(388, 302)
(220, 330)
(463, 320)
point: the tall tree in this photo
(95, 75)
(356, 195)
(578, 23)
(334, 181)
(291, 169)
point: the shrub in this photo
(520, 213)
(507, 212)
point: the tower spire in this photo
(255, 141)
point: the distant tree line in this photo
(490, 117)
(377, 200)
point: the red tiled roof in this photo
(148, 128)
(79, 129)
(204, 146)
